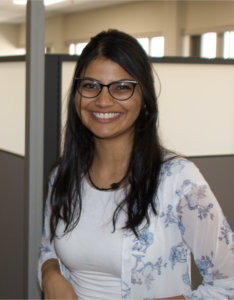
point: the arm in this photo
(54, 285)
(52, 274)
(207, 234)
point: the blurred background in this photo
(164, 28)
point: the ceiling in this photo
(15, 14)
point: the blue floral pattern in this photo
(144, 240)
(178, 254)
(204, 264)
(126, 291)
(225, 231)
(145, 270)
(193, 194)
(186, 278)
(44, 250)
(168, 167)
(214, 275)
(170, 218)
(232, 247)
(193, 296)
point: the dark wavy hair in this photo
(146, 157)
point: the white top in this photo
(157, 264)
(91, 251)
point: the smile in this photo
(105, 115)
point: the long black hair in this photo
(147, 154)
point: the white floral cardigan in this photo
(157, 264)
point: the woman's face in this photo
(103, 115)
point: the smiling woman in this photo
(110, 111)
(123, 214)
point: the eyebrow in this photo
(119, 80)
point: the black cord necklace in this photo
(114, 186)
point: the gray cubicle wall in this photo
(217, 169)
(12, 225)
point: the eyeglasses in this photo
(119, 90)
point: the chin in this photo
(104, 135)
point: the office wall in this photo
(196, 106)
(12, 103)
(9, 43)
(135, 18)
(12, 225)
(168, 18)
(208, 14)
(12, 136)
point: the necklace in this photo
(114, 186)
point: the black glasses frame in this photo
(107, 85)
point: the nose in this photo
(104, 99)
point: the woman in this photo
(122, 213)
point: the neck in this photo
(112, 153)
(111, 160)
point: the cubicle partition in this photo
(196, 107)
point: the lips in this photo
(105, 116)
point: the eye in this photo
(90, 85)
(122, 86)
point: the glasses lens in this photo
(88, 88)
(122, 90)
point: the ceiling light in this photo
(46, 2)
(20, 2)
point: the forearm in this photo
(48, 269)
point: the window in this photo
(153, 46)
(203, 45)
(48, 49)
(228, 44)
(208, 45)
(144, 42)
(195, 45)
(72, 49)
(80, 47)
(76, 48)
(157, 46)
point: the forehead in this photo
(105, 70)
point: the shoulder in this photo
(172, 165)
(178, 173)
(177, 168)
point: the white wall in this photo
(12, 104)
(196, 107)
(9, 35)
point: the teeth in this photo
(106, 115)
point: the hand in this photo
(54, 285)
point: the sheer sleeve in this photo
(208, 235)
(47, 250)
